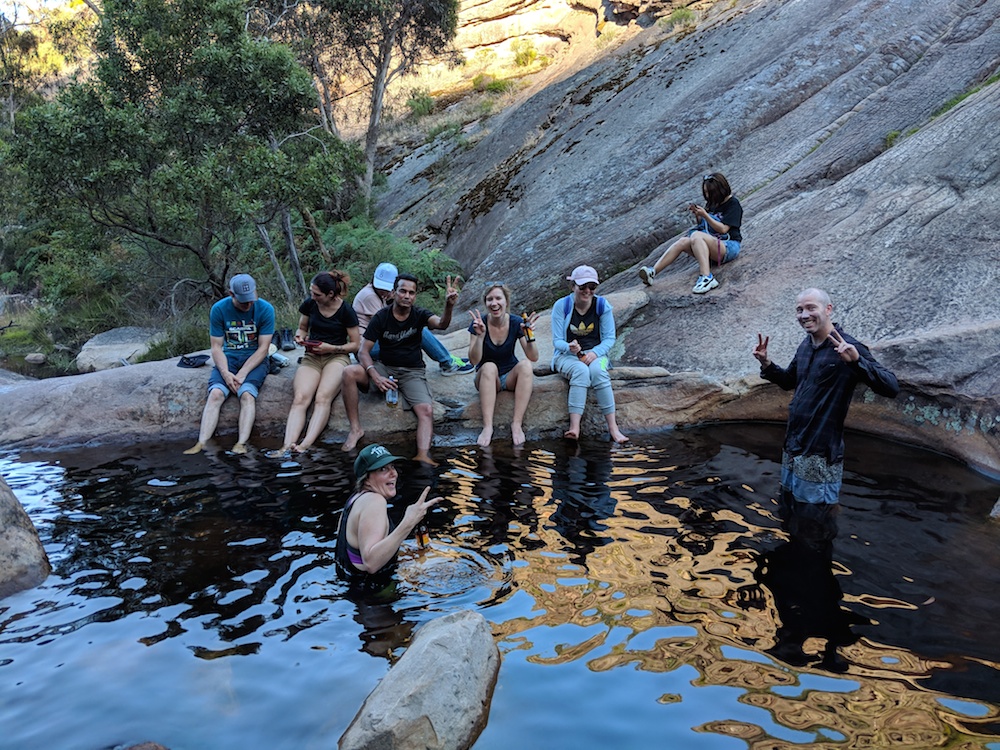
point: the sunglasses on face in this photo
(589, 287)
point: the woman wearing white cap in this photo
(583, 332)
(367, 542)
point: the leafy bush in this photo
(448, 129)
(357, 247)
(420, 103)
(500, 86)
(682, 17)
(524, 52)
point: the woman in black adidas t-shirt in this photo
(328, 329)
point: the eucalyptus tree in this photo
(190, 135)
(387, 39)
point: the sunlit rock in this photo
(437, 695)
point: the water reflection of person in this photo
(583, 499)
(503, 495)
(799, 574)
(367, 542)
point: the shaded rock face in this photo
(835, 126)
(23, 562)
(437, 695)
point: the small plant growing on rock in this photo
(682, 17)
(420, 103)
(891, 137)
(524, 52)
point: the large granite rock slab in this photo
(437, 696)
(159, 400)
(23, 562)
(862, 170)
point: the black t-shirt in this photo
(399, 341)
(730, 213)
(585, 328)
(332, 330)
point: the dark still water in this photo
(645, 596)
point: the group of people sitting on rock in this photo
(387, 333)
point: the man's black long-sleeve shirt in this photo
(824, 385)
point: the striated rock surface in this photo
(843, 129)
(23, 562)
(437, 695)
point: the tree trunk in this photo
(316, 236)
(293, 253)
(375, 114)
(266, 239)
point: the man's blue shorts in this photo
(251, 385)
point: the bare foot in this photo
(571, 434)
(196, 448)
(240, 448)
(483, 441)
(301, 447)
(518, 434)
(352, 440)
(619, 437)
(425, 458)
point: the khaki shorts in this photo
(320, 361)
(412, 383)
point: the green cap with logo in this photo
(373, 457)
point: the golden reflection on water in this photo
(666, 558)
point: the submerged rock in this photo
(437, 695)
(23, 562)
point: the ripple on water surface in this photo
(643, 592)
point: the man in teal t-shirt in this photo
(241, 327)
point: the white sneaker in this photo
(705, 284)
(647, 274)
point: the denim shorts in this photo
(251, 385)
(732, 250)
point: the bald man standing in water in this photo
(827, 366)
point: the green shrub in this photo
(524, 52)
(682, 17)
(606, 38)
(357, 247)
(500, 86)
(481, 81)
(448, 129)
(420, 103)
(891, 137)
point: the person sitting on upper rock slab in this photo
(583, 332)
(397, 329)
(240, 328)
(828, 365)
(716, 238)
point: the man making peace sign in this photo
(827, 366)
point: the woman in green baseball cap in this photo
(367, 542)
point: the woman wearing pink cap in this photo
(583, 332)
